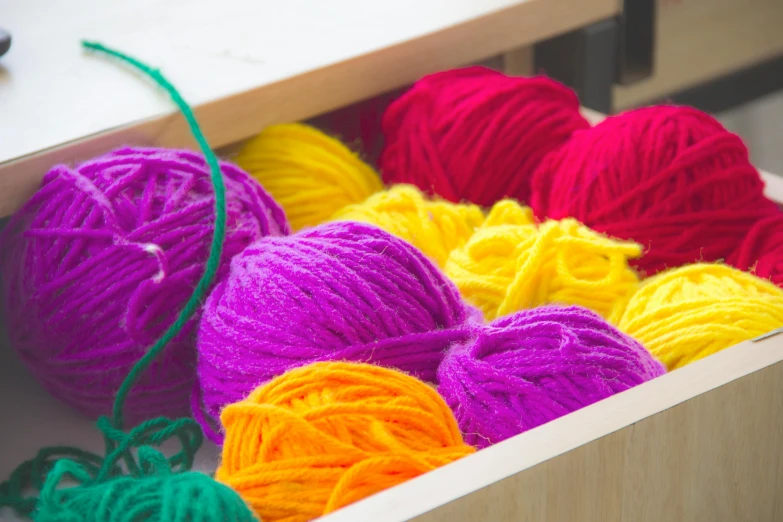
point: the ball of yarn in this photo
(670, 178)
(310, 174)
(534, 366)
(509, 212)
(508, 267)
(688, 313)
(321, 437)
(340, 291)
(434, 227)
(99, 262)
(761, 252)
(475, 134)
(185, 497)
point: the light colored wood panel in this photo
(594, 117)
(698, 444)
(655, 450)
(774, 186)
(244, 66)
(779, 484)
(519, 62)
(698, 40)
(710, 459)
(760, 123)
(592, 474)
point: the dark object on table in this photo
(5, 41)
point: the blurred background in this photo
(722, 56)
(760, 123)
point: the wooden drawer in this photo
(699, 40)
(702, 443)
(698, 444)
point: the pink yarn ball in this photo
(100, 262)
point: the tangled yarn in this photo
(670, 178)
(340, 291)
(475, 134)
(509, 212)
(534, 366)
(508, 267)
(321, 437)
(135, 482)
(688, 313)
(184, 497)
(99, 262)
(761, 251)
(309, 173)
(434, 227)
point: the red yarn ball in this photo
(670, 178)
(476, 134)
(761, 252)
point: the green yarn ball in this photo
(181, 497)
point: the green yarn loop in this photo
(218, 237)
(33, 473)
(162, 496)
(135, 449)
(134, 481)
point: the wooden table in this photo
(244, 65)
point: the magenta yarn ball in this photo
(531, 367)
(100, 262)
(341, 291)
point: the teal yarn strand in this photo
(161, 496)
(151, 433)
(134, 481)
(32, 474)
(218, 237)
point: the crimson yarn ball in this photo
(475, 134)
(670, 178)
(533, 366)
(99, 262)
(761, 252)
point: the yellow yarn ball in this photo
(434, 227)
(508, 267)
(509, 212)
(309, 173)
(688, 313)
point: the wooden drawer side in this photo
(699, 444)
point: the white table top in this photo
(243, 63)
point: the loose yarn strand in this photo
(216, 248)
(44, 472)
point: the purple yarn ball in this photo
(100, 262)
(340, 291)
(531, 367)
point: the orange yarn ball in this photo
(326, 435)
